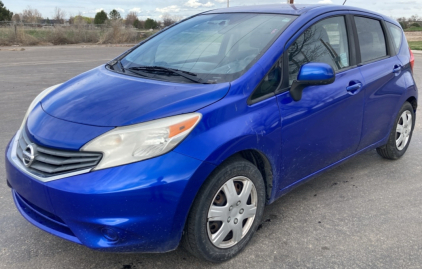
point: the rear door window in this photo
(371, 39)
(397, 35)
(324, 42)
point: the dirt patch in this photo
(413, 36)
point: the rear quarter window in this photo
(396, 34)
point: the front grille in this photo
(52, 162)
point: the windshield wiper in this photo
(189, 75)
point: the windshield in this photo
(215, 48)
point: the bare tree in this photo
(16, 18)
(31, 15)
(414, 18)
(59, 15)
(131, 17)
(169, 19)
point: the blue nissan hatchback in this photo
(188, 135)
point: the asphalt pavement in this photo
(365, 213)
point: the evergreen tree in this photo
(114, 15)
(150, 24)
(137, 24)
(5, 14)
(100, 17)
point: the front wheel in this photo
(400, 135)
(226, 212)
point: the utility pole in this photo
(228, 3)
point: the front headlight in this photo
(138, 142)
(36, 101)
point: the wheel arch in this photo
(412, 100)
(261, 161)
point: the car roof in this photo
(274, 8)
(295, 9)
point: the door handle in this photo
(396, 69)
(355, 87)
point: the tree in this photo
(79, 19)
(30, 15)
(114, 15)
(100, 17)
(131, 17)
(59, 15)
(137, 23)
(403, 24)
(414, 18)
(169, 20)
(150, 24)
(5, 14)
(16, 18)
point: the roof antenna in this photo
(344, 2)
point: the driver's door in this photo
(325, 125)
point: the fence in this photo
(36, 34)
(4, 24)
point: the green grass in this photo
(413, 29)
(37, 33)
(415, 45)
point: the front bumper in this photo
(139, 207)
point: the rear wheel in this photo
(226, 212)
(400, 135)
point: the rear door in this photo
(325, 125)
(382, 74)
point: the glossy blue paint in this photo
(70, 135)
(146, 203)
(315, 72)
(320, 129)
(103, 98)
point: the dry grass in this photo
(115, 34)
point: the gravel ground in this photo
(366, 213)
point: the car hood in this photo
(104, 98)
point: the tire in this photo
(402, 129)
(220, 234)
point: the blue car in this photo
(185, 138)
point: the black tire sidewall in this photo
(199, 212)
(392, 149)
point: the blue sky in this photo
(183, 8)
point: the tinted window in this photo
(371, 39)
(324, 42)
(270, 83)
(217, 47)
(397, 35)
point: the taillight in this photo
(412, 59)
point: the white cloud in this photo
(121, 10)
(168, 9)
(208, 4)
(98, 10)
(221, 1)
(196, 4)
(135, 9)
(325, 2)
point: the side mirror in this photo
(311, 74)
